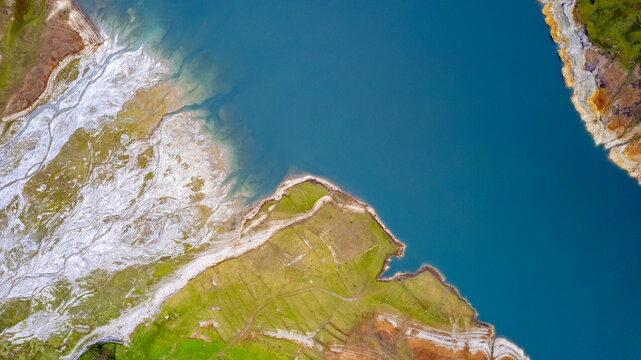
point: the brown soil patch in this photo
(633, 151)
(625, 110)
(618, 125)
(379, 338)
(592, 58)
(611, 78)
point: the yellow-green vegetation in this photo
(299, 199)
(614, 26)
(111, 293)
(316, 279)
(15, 310)
(20, 44)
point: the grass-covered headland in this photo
(310, 291)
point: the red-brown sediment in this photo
(61, 38)
(379, 338)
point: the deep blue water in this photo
(451, 118)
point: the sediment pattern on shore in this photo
(105, 174)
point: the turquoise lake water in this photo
(452, 120)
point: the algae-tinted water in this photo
(451, 119)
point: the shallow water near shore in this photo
(456, 128)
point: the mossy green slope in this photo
(304, 290)
(614, 26)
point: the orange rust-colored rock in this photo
(568, 75)
(599, 100)
(554, 29)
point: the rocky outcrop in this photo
(607, 94)
(503, 349)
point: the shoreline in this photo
(508, 348)
(488, 347)
(87, 30)
(571, 37)
(399, 276)
(105, 30)
(572, 41)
